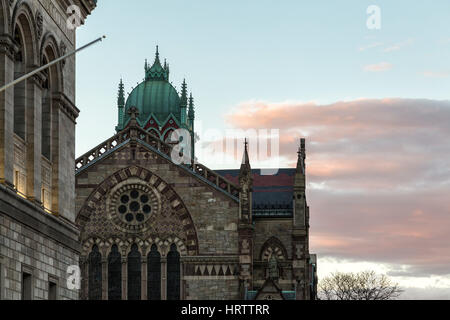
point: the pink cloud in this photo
(378, 174)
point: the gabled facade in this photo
(155, 229)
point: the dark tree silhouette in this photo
(366, 285)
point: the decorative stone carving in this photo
(273, 268)
(63, 51)
(39, 24)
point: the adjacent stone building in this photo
(154, 227)
(38, 235)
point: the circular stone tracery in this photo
(132, 205)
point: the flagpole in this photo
(49, 64)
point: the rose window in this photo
(132, 205)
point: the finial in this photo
(157, 52)
(121, 95)
(301, 156)
(184, 98)
(246, 160)
(146, 65)
(191, 113)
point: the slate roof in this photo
(272, 194)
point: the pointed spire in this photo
(120, 105)
(245, 158)
(157, 71)
(184, 98)
(121, 95)
(191, 112)
(146, 66)
(301, 157)
(245, 165)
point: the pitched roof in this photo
(272, 193)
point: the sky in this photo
(373, 105)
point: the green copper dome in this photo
(154, 96)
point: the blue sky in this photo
(274, 51)
(376, 103)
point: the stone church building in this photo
(39, 239)
(154, 228)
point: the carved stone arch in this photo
(273, 246)
(49, 48)
(89, 244)
(178, 242)
(135, 240)
(174, 201)
(149, 242)
(23, 18)
(111, 242)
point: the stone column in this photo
(124, 279)
(104, 278)
(64, 114)
(84, 266)
(7, 49)
(144, 278)
(163, 278)
(33, 114)
(55, 154)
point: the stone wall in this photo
(37, 243)
(215, 215)
(33, 240)
(211, 269)
(212, 289)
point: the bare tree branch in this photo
(366, 285)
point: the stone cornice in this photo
(33, 216)
(86, 6)
(66, 106)
(211, 259)
(8, 46)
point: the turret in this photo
(300, 219)
(300, 228)
(121, 104)
(156, 71)
(191, 118)
(184, 101)
(246, 185)
(245, 227)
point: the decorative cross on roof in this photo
(134, 113)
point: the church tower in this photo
(154, 228)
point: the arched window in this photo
(134, 273)
(114, 274)
(19, 89)
(173, 274)
(154, 274)
(46, 112)
(95, 274)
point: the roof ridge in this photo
(164, 148)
